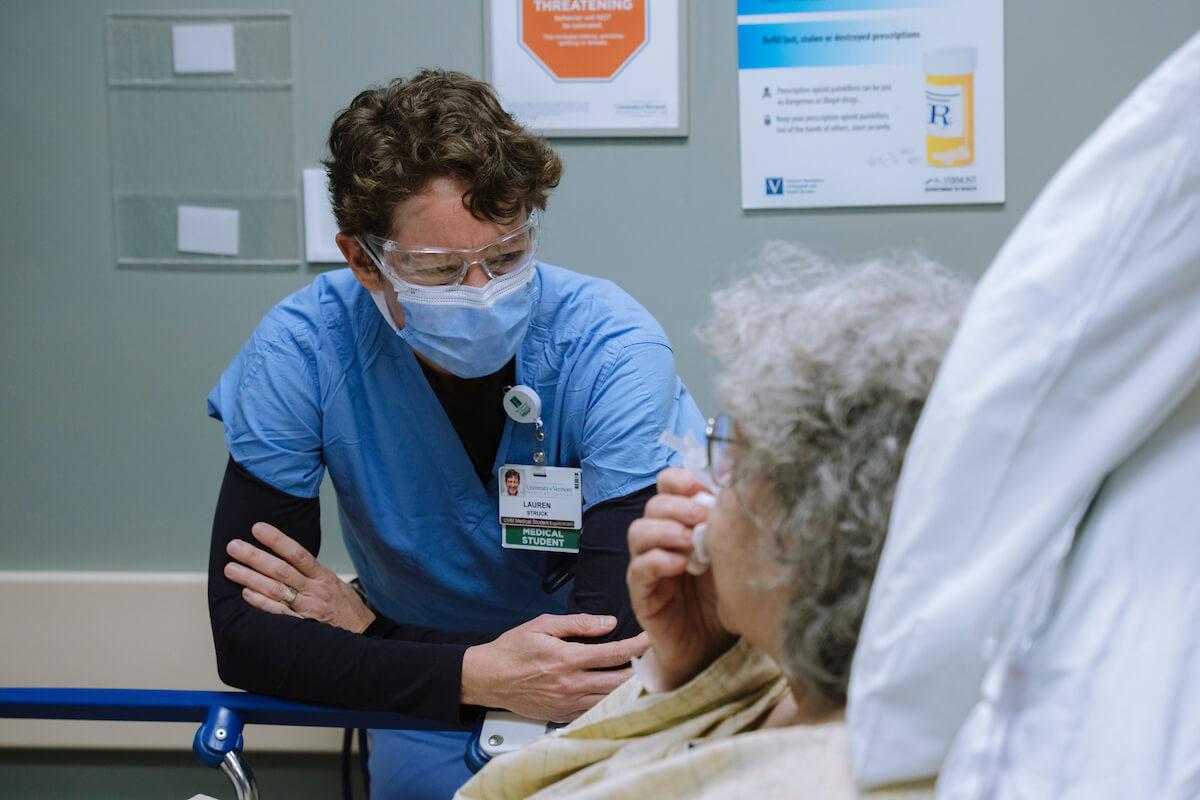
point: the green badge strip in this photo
(523, 538)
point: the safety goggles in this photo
(448, 266)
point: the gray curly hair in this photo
(826, 370)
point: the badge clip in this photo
(522, 404)
(539, 455)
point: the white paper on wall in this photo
(208, 231)
(203, 48)
(320, 227)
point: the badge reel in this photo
(541, 507)
(523, 405)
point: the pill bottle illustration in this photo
(950, 106)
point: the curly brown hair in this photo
(392, 140)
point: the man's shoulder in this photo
(332, 305)
(575, 305)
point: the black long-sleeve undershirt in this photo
(600, 586)
(392, 665)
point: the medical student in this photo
(390, 375)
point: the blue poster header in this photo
(827, 44)
(752, 7)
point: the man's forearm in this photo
(401, 668)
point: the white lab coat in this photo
(1035, 621)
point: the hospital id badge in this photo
(541, 508)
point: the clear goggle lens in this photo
(440, 266)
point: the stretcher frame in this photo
(222, 716)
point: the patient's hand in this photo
(320, 594)
(677, 609)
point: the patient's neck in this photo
(803, 706)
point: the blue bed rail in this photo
(223, 715)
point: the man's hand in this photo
(531, 671)
(676, 609)
(320, 594)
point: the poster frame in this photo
(678, 131)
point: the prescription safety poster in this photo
(590, 67)
(871, 102)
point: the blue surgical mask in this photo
(467, 331)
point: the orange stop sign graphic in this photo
(583, 39)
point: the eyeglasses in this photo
(447, 266)
(719, 433)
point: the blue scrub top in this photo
(325, 383)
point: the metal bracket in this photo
(219, 742)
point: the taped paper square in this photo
(203, 48)
(208, 231)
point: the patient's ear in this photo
(360, 262)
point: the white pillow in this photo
(1082, 338)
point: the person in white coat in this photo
(1034, 628)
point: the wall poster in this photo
(871, 102)
(590, 67)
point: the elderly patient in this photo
(744, 688)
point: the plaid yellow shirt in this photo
(697, 741)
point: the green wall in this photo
(110, 462)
